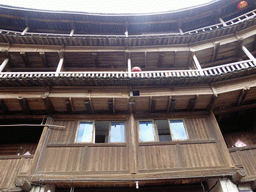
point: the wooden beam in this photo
(145, 59)
(215, 51)
(248, 54)
(25, 59)
(197, 64)
(160, 60)
(129, 67)
(242, 96)
(223, 23)
(89, 106)
(25, 31)
(3, 106)
(239, 47)
(69, 105)
(4, 63)
(23, 104)
(48, 104)
(8, 56)
(238, 176)
(131, 106)
(43, 58)
(190, 58)
(171, 105)
(111, 106)
(192, 104)
(60, 65)
(96, 60)
(72, 32)
(234, 109)
(152, 104)
(174, 58)
(24, 184)
(212, 102)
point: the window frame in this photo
(94, 131)
(155, 130)
(185, 129)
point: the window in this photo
(101, 132)
(162, 130)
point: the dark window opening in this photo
(19, 140)
(238, 127)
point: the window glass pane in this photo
(163, 130)
(178, 130)
(146, 131)
(85, 132)
(117, 132)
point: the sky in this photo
(109, 6)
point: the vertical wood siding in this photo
(60, 159)
(62, 155)
(179, 156)
(198, 128)
(247, 159)
(106, 159)
(80, 159)
(10, 168)
(66, 135)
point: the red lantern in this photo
(242, 5)
(136, 69)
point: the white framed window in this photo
(101, 132)
(162, 130)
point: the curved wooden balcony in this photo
(236, 24)
(211, 74)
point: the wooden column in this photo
(23, 184)
(129, 67)
(60, 65)
(3, 65)
(215, 51)
(72, 32)
(133, 146)
(238, 176)
(248, 54)
(223, 23)
(197, 64)
(25, 31)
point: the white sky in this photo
(106, 6)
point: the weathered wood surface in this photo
(9, 168)
(61, 154)
(246, 159)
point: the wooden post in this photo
(72, 32)
(60, 65)
(2, 66)
(129, 67)
(223, 23)
(238, 176)
(181, 32)
(133, 146)
(248, 54)
(198, 66)
(25, 31)
(23, 184)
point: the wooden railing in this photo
(233, 21)
(212, 71)
(239, 19)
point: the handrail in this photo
(236, 20)
(233, 21)
(210, 71)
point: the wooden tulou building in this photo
(76, 117)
